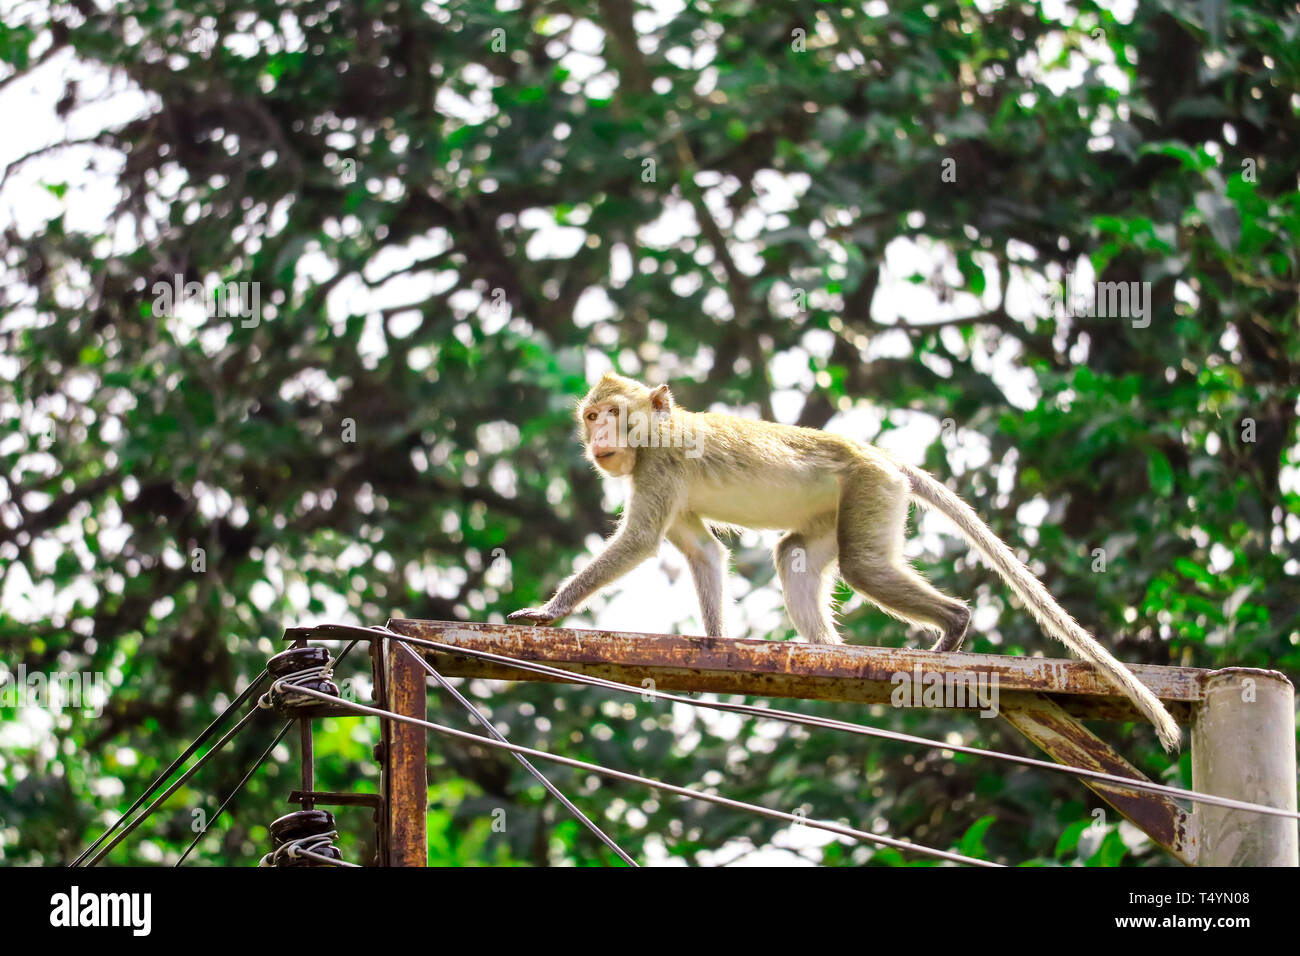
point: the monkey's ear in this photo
(661, 400)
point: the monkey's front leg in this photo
(628, 548)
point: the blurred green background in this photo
(454, 213)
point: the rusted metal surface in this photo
(379, 672)
(1042, 698)
(333, 798)
(787, 669)
(1067, 741)
(406, 761)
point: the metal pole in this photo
(308, 761)
(1243, 746)
(379, 670)
(306, 753)
(406, 761)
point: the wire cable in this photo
(238, 787)
(307, 846)
(541, 778)
(225, 739)
(836, 828)
(260, 760)
(162, 777)
(829, 723)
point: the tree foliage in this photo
(450, 208)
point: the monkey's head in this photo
(615, 419)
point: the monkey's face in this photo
(605, 437)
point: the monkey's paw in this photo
(533, 615)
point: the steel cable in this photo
(829, 723)
(836, 828)
(189, 752)
(541, 778)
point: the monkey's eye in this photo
(592, 416)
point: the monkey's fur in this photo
(841, 503)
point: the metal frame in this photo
(1242, 719)
(399, 807)
(406, 760)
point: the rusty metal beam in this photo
(1067, 741)
(1042, 698)
(405, 761)
(787, 669)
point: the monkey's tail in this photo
(930, 492)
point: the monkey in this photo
(842, 506)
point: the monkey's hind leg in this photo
(871, 531)
(803, 560)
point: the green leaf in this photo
(1069, 839)
(1160, 473)
(972, 841)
